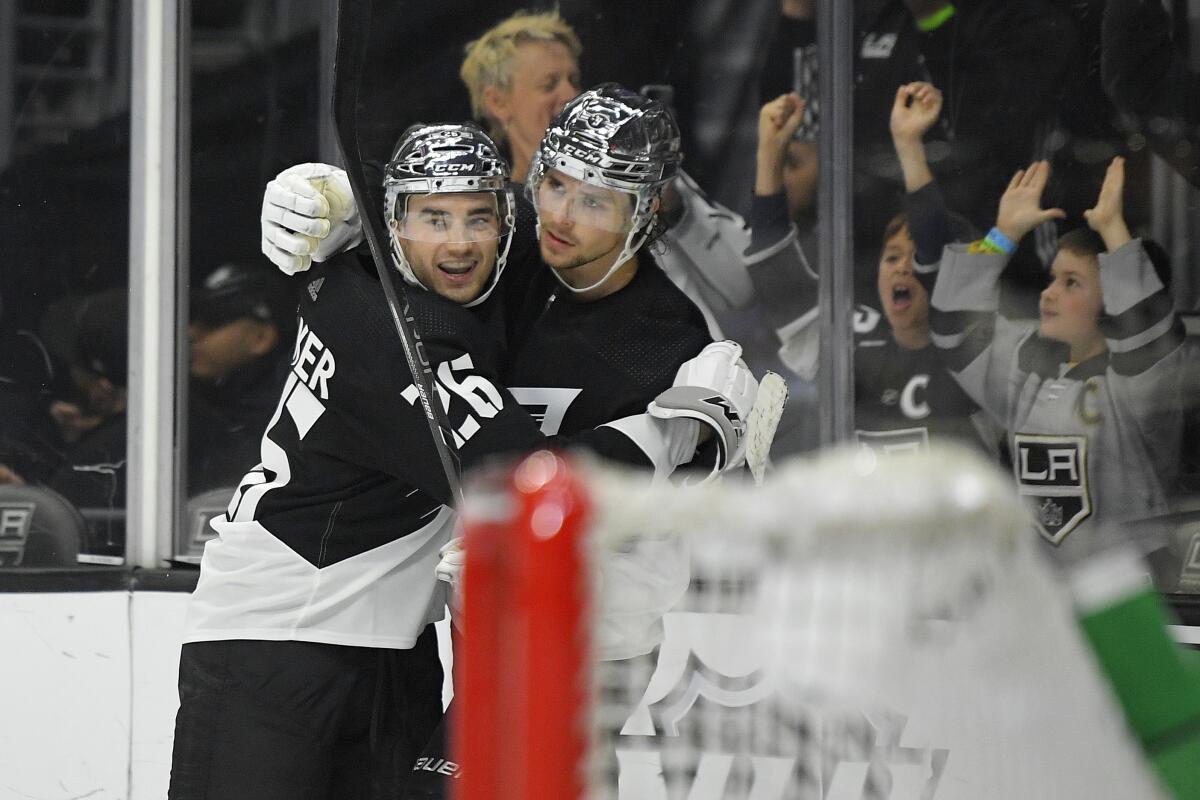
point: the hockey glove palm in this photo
(308, 214)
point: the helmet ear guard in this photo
(447, 159)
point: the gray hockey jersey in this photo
(1094, 445)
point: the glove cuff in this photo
(713, 410)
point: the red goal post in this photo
(524, 665)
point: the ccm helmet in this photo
(447, 158)
(617, 139)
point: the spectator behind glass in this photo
(521, 73)
(904, 397)
(243, 318)
(29, 443)
(1090, 395)
(93, 473)
(1002, 66)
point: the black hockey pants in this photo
(262, 720)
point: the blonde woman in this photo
(520, 73)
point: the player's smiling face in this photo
(450, 241)
(905, 301)
(583, 226)
(1070, 306)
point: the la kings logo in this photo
(1052, 477)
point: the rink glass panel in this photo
(65, 73)
(253, 95)
(1038, 91)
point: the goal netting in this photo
(851, 629)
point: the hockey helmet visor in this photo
(561, 197)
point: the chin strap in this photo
(401, 263)
(638, 229)
(626, 253)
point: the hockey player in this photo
(603, 325)
(1090, 394)
(602, 330)
(310, 669)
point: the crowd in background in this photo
(1002, 154)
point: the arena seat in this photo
(195, 530)
(38, 528)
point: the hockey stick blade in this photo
(763, 422)
(352, 26)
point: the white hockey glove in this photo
(308, 214)
(718, 389)
(450, 570)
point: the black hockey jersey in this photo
(582, 364)
(903, 399)
(334, 536)
(1094, 445)
(578, 364)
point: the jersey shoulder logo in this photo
(315, 287)
(1052, 478)
(878, 45)
(866, 319)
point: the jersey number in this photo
(478, 392)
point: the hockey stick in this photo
(353, 19)
(764, 420)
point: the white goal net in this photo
(850, 629)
